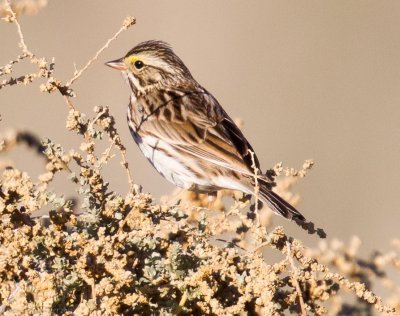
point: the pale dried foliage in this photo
(116, 255)
(23, 7)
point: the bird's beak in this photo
(118, 64)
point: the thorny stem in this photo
(295, 281)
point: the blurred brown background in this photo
(310, 79)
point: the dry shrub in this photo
(116, 255)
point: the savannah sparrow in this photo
(183, 130)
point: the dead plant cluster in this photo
(127, 255)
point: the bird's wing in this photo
(195, 124)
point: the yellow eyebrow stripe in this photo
(131, 59)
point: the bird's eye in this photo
(139, 64)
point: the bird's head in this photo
(150, 64)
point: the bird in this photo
(185, 133)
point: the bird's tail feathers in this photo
(279, 205)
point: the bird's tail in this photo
(279, 205)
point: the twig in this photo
(44, 69)
(256, 186)
(182, 302)
(295, 281)
(260, 246)
(116, 140)
(105, 156)
(132, 187)
(7, 69)
(69, 103)
(10, 297)
(98, 116)
(129, 21)
(14, 19)
(64, 89)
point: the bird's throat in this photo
(133, 82)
